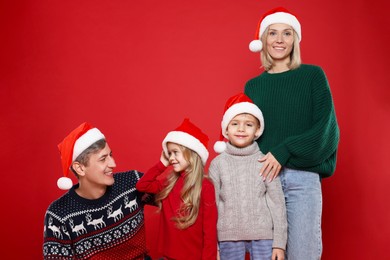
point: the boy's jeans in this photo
(235, 250)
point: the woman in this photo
(302, 135)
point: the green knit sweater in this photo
(301, 129)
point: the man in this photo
(101, 217)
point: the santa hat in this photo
(72, 146)
(237, 104)
(276, 15)
(190, 136)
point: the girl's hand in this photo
(271, 167)
(277, 254)
(164, 159)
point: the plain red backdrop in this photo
(135, 69)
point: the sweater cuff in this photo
(160, 166)
(281, 154)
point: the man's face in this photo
(99, 171)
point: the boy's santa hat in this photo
(237, 104)
(72, 146)
(190, 136)
(276, 15)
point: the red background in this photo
(135, 69)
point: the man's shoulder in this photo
(61, 205)
(128, 175)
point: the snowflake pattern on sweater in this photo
(113, 225)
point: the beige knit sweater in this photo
(248, 208)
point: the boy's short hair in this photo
(83, 158)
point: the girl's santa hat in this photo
(276, 15)
(72, 146)
(190, 136)
(237, 104)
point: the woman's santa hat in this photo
(72, 146)
(276, 15)
(190, 136)
(237, 104)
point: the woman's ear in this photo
(78, 168)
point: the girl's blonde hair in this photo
(191, 192)
(295, 56)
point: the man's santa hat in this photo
(190, 136)
(276, 15)
(72, 146)
(235, 105)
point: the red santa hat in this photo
(190, 136)
(72, 146)
(276, 15)
(235, 105)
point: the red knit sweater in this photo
(198, 241)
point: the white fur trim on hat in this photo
(281, 17)
(188, 141)
(85, 141)
(241, 108)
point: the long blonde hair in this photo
(191, 192)
(295, 55)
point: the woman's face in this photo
(280, 40)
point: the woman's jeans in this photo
(235, 250)
(302, 191)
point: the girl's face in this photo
(280, 40)
(242, 130)
(176, 157)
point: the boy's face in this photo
(99, 171)
(242, 130)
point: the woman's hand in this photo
(271, 167)
(164, 159)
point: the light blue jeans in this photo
(235, 250)
(302, 191)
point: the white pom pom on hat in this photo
(255, 46)
(72, 146)
(64, 183)
(190, 136)
(219, 146)
(276, 15)
(235, 105)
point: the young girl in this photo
(186, 197)
(302, 134)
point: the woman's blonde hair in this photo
(295, 56)
(191, 192)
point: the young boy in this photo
(251, 211)
(101, 217)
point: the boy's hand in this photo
(277, 254)
(164, 159)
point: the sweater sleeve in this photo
(277, 207)
(319, 143)
(149, 182)
(210, 216)
(57, 243)
(214, 176)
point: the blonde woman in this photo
(186, 197)
(302, 135)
